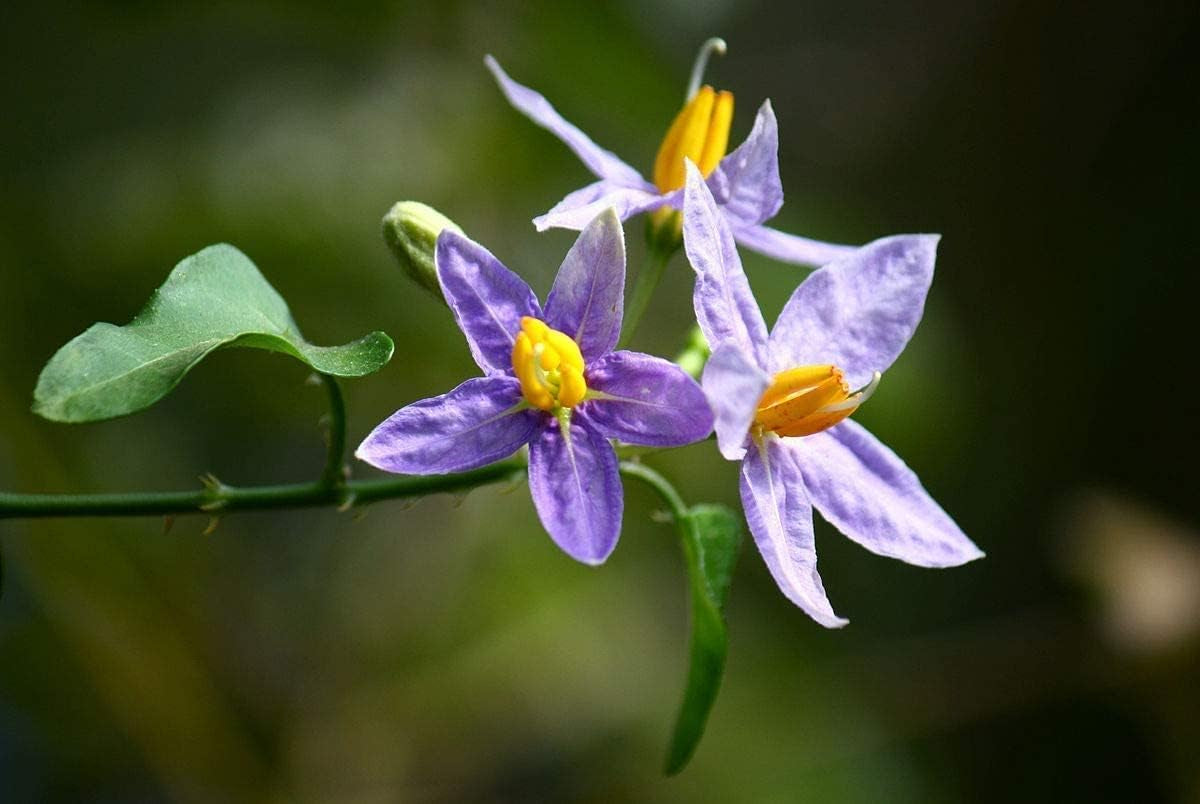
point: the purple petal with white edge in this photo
(479, 422)
(869, 494)
(780, 519)
(486, 298)
(746, 183)
(588, 296)
(645, 400)
(733, 385)
(604, 164)
(789, 247)
(859, 312)
(581, 207)
(576, 489)
(725, 307)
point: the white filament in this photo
(714, 45)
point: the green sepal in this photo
(212, 299)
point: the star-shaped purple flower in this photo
(552, 381)
(782, 401)
(745, 183)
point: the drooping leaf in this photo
(212, 299)
(711, 543)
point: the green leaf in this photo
(212, 299)
(712, 539)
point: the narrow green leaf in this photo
(212, 299)
(712, 539)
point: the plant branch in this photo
(217, 497)
(333, 476)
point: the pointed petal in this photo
(579, 208)
(479, 422)
(576, 490)
(725, 307)
(646, 400)
(487, 299)
(789, 247)
(733, 385)
(868, 493)
(605, 164)
(859, 312)
(588, 296)
(780, 518)
(750, 191)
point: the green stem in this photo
(661, 485)
(643, 289)
(333, 476)
(218, 498)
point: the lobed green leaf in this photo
(215, 298)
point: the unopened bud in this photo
(411, 230)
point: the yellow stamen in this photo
(549, 365)
(808, 399)
(716, 140)
(700, 132)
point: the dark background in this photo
(448, 651)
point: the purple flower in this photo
(552, 381)
(745, 182)
(782, 401)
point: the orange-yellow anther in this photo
(549, 365)
(808, 399)
(699, 132)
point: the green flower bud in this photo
(411, 230)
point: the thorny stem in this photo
(221, 499)
(218, 498)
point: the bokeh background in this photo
(447, 651)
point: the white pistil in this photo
(855, 399)
(713, 45)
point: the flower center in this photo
(700, 131)
(549, 365)
(808, 399)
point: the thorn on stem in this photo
(213, 522)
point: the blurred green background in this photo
(448, 651)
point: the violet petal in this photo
(576, 489)
(780, 519)
(604, 164)
(725, 307)
(646, 400)
(579, 208)
(858, 312)
(869, 494)
(733, 385)
(588, 296)
(486, 298)
(789, 247)
(748, 177)
(479, 422)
